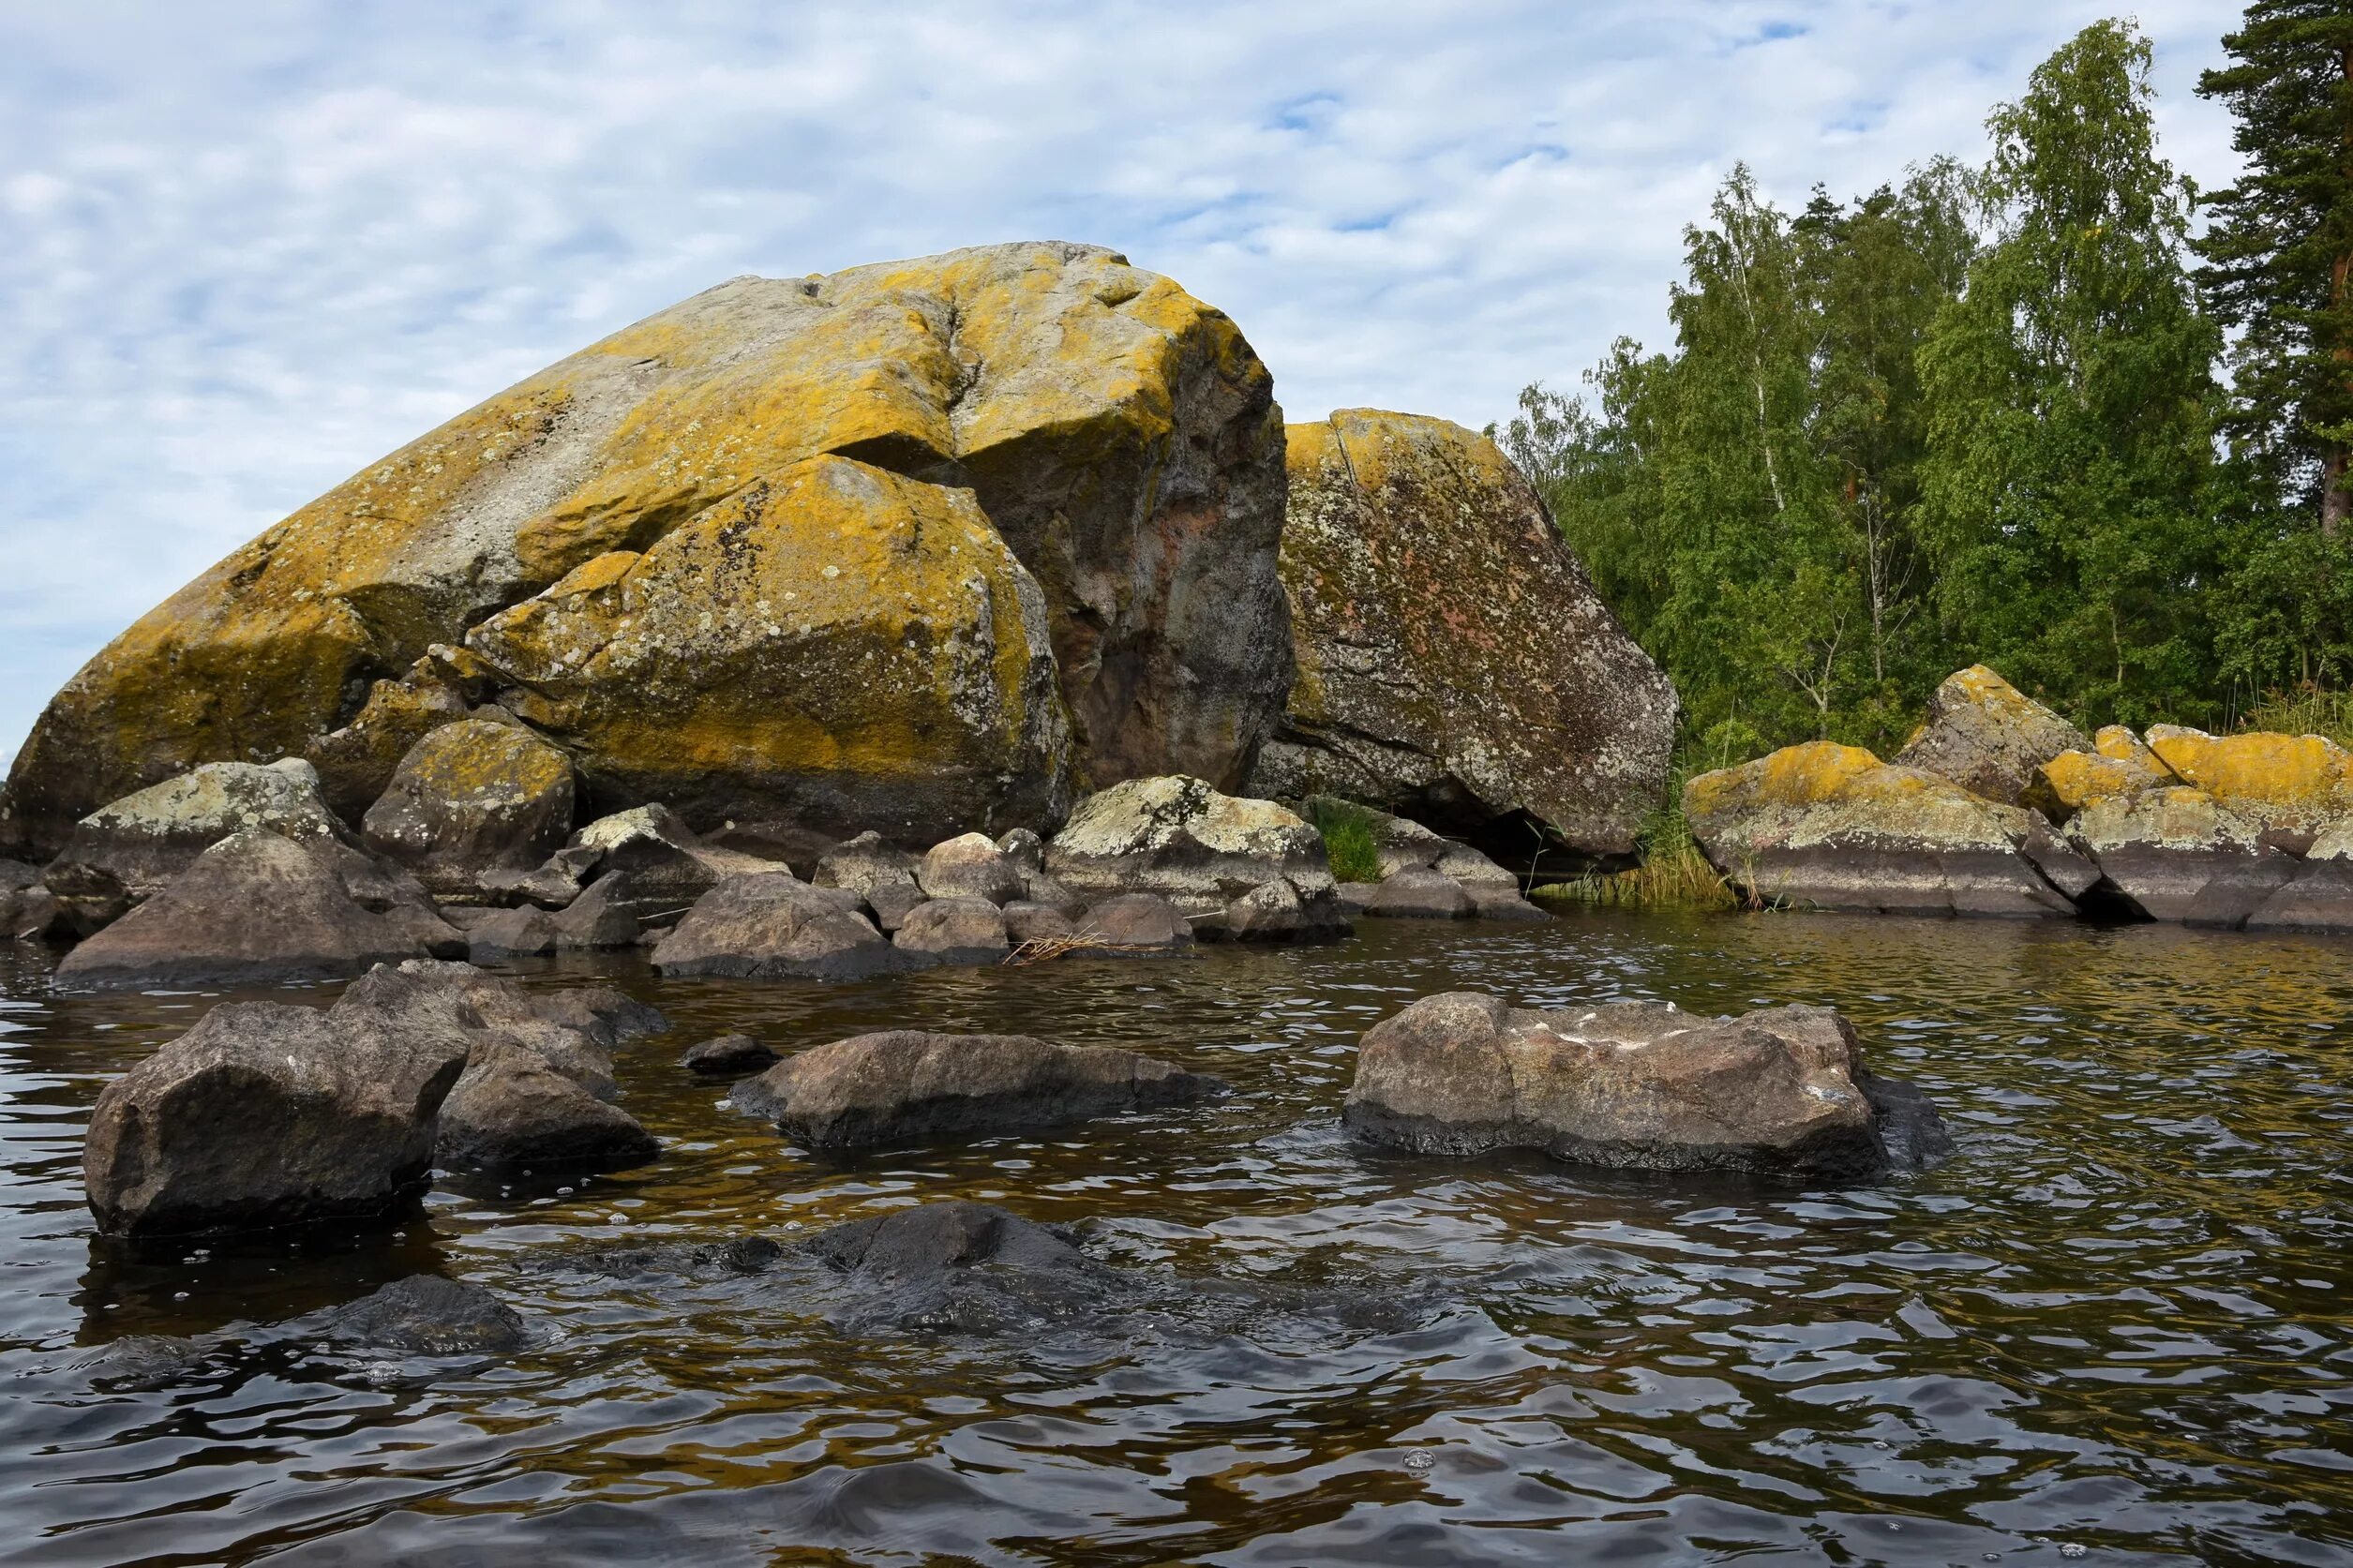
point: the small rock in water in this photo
(728, 1053)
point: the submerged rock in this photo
(966, 1267)
(1989, 737)
(1782, 1091)
(145, 839)
(723, 1054)
(772, 927)
(1184, 841)
(254, 909)
(904, 1085)
(427, 1315)
(265, 1115)
(1833, 827)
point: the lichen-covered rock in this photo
(1455, 663)
(473, 797)
(1119, 436)
(837, 644)
(772, 927)
(970, 867)
(667, 864)
(254, 909)
(1835, 828)
(1987, 736)
(265, 1115)
(1782, 1091)
(145, 839)
(905, 1084)
(956, 930)
(2292, 787)
(2178, 854)
(357, 762)
(1183, 839)
(2118, 763)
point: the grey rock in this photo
(1989, 737)
(905, 1085)
(471, 797)
(145, 839)
(604, 916)
(863, 863)
(956, 930)
(265, 1115)
(527, 930)
(1276, 911)
(891, 903)
(728, 1053)
(513, 1110)
(1145, 924)
(772, 926)
(1503, 901)
(1182, 839)
(1421, 895)
(668, 866)
(1782, 1091)
(427, 1315)
(963, 1267)
(1025, 921)
(2178, 854)
(1026, 850)
(970, 867)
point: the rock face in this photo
(1183, 839)
(2178, 854)
(1835, 828)
(255, 909)
(471, 797)
(772, 927)
(1782, 1091)
(1989, 737)
(145, 839)
(784, 459)
(905, 1084)
(265, 1115)
(1454, 665)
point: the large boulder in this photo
(2178, 854)
(2293, 787)
(905, 1084)
(265, 1115)
(1782, 1091)
(1455, 663)
(1182, 839)
(2321, 896)
(513, 1110)
(1835, 828)
(773, 927)
(471, 797)
(254, 909)
(147, 838)
(1987, 736)
(1116, 436)
(2118, 763)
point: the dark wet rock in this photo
(2321, 897)
(513, 1110)
(1140, 924)
(737, 1257)
(1989, 737)
(471, 797)
(143, 841)
(772, 927)
(461, 998)
(1489, 901)
(603, 916)
(84, 899)
(970, 867)
(905, 1085)
(254, 909)
(265, 1115)
(891, 903)
(1782, 1091)
(1180, 839)
(963, 1267)
(427, 1315)
(958, 931)
(142, 1363)
(1025, 921)
(728, 1053)
(1278, 911)
(1026, 850)
(604, 1012)
(550, 887)
(16, 875)
(1421, 894)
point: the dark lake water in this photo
(2115, 1328)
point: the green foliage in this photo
(2306, 710)
(1348, 839)
(1672, 874)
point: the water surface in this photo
(2115, 1328)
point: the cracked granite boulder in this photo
(1456, 665)
(912, 546)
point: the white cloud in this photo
(245, 248)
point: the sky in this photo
(247, 248)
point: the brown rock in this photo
(471, 797)
(772, 926)
(1989, 737)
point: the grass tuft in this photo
(1348, 840)
(2304, 710)
(1673, 874)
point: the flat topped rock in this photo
(905, 1084)
(1782, 1091)
(774, 927)
(147, 838)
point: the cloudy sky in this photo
(247, 247)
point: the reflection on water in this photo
(2115, 1328)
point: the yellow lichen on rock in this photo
(2296, 785)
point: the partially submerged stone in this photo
(145, 839)
(964, 1266)
(1782, 1091)
(1423, 895)
(1184, 841)
(1279, 911)
(1989, 737)
(904, 1085)
(427, 1315)
(1134, 924)
(471, 797)
(773, 927)
(254, 909)
(512, 1110)
(955, 931)
(1454, 662)
(1833, 827)
(1025, 921)
(265, 1115)
(724, 1054)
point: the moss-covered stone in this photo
(1455, 663)
(473, 797)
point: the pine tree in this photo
(2279, 249)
